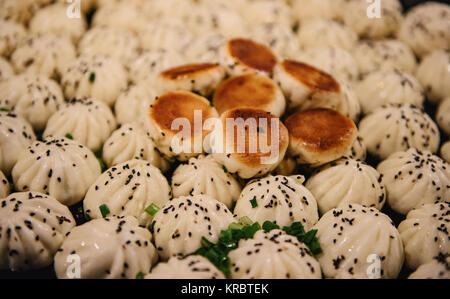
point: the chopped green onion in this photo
(235, 226)
(92, 77)
(254, 202)
(152, 226)
(268, 226)
(69, 136)
(104, 210)
(224, 169)
(4, 109)
(245, 220)
(140, 275)
(152, 209)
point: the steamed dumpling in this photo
(18, 11)
(183, 221)
(262, 11)
(190, 267)
(119, 15)
(205, 48)
(278, 37)
(4, 185)
(32, 228)
(11, 36)
(425, 233)
(133, 103)
(414, 178)
(113, 247)
(303, 9)
(60, 167)
(354, 239)
(280, 199)
(358, 150)
(443, 116)
(273, 255)
(203, 175)
(434, 74)
(347, 181)
(439, 268)
(6, 70)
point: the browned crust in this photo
(188, 70)
(320, 130)
(314, 78)
(250, 90)
(252, 54)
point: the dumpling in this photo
(133, 103)
(439, 268)
(317, 32)
(389, 54)
(5, 188)
(113, 247)
(99, 77)
(358, 150)
(130, 142)
(434, 74)
(11, 35)
(279, 199)
(32, 228)
(303, 9)
(414, 178)
(18, 11)
(119, 15)
(184, 221)
(443, 116)
(119, 43)
(16, 134)
(53, 19)
(389, 87)
(319, 136)
(44, 54)
(131, 188)
(445, 151)
(357, 15)
(251, 91)
(425, 233)
(359, 242)
(278, 37)
(394, 128)
(203, 175)
(426, 27)
(190, 267)
(205, 48)
(273, 255)
(60, 168)
(34, 97)
(249, 142)
(267, 11)
(347, 181)
(6, 70)
(88, 122)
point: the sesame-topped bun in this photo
(388, 87)
(425, 233)
(205, 48)
(278, 37)
(358, 150)
(112, 247)
(279, 199)
(53, 19)
(102, 78)
(202, 78)
(347, 181)
(250, 142)
(119, 43)
(356, 14)
(354, 239)
(250, 90)
(304, 9)
(273, 255)
(16, 134)
(60, 167)
(133, 103)
(184, 221)
(394, 128)
(44, 54)
(388, 54)
(6, 70)
(443, 116)
(190, 267)
(128, 189)
(439, 268)
(241, 56)
(414, 178)
(11, 36)
(89, 122)
(317, 32)
(426, 28)
(119, 15)
(171, 123)
(34, 97)
(32, 228)
(130, 142)
(203, 175)
(5, 188)
(434, 74)
(301, 83)
(445, 151)
(319, 136)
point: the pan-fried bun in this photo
(169, 109)
(250, 90)
(252, 150)
(241, 56)
(319, 136)
(201, 78)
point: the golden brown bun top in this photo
(263, 132)
(180, 104)
(250, 90)
(252, 54)
(188, 70)
(311, 77)
(320, 130)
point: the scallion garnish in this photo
(104, 210)
(152, 209)
(254, 202)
